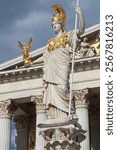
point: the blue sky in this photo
(20, 20)
(12, 135)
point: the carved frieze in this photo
(5, 107)
(81, 97)
(88, 48)
(85, 49)
(96, 44)
(40, 106)
(33, 72)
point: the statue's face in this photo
(56, 26)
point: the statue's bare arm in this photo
(43, 58)
(39, 60)
(81, 21)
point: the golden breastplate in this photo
(57, 42)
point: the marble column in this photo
(5, 125)
(21, 133)
(82, 101)
(40, 117)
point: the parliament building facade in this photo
(21, 91)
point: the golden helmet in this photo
(59, 15)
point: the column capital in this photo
(40, 106)
(81, 97)
(5, 107)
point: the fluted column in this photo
(40, 117)
(82, 101)
(21, 133)
(5, 125)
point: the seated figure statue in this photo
(86, 50)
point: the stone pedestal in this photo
(5, 125)
(82, 101)
(62, 137)
(40, 117)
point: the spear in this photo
(72, 69)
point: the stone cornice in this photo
(21, 74)
(81, 97)
(85, 64)
(37, 71)
(40, 107)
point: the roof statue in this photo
(25, 49)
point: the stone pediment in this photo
(18, 62)
(13, 64)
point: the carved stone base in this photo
(66, 137)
